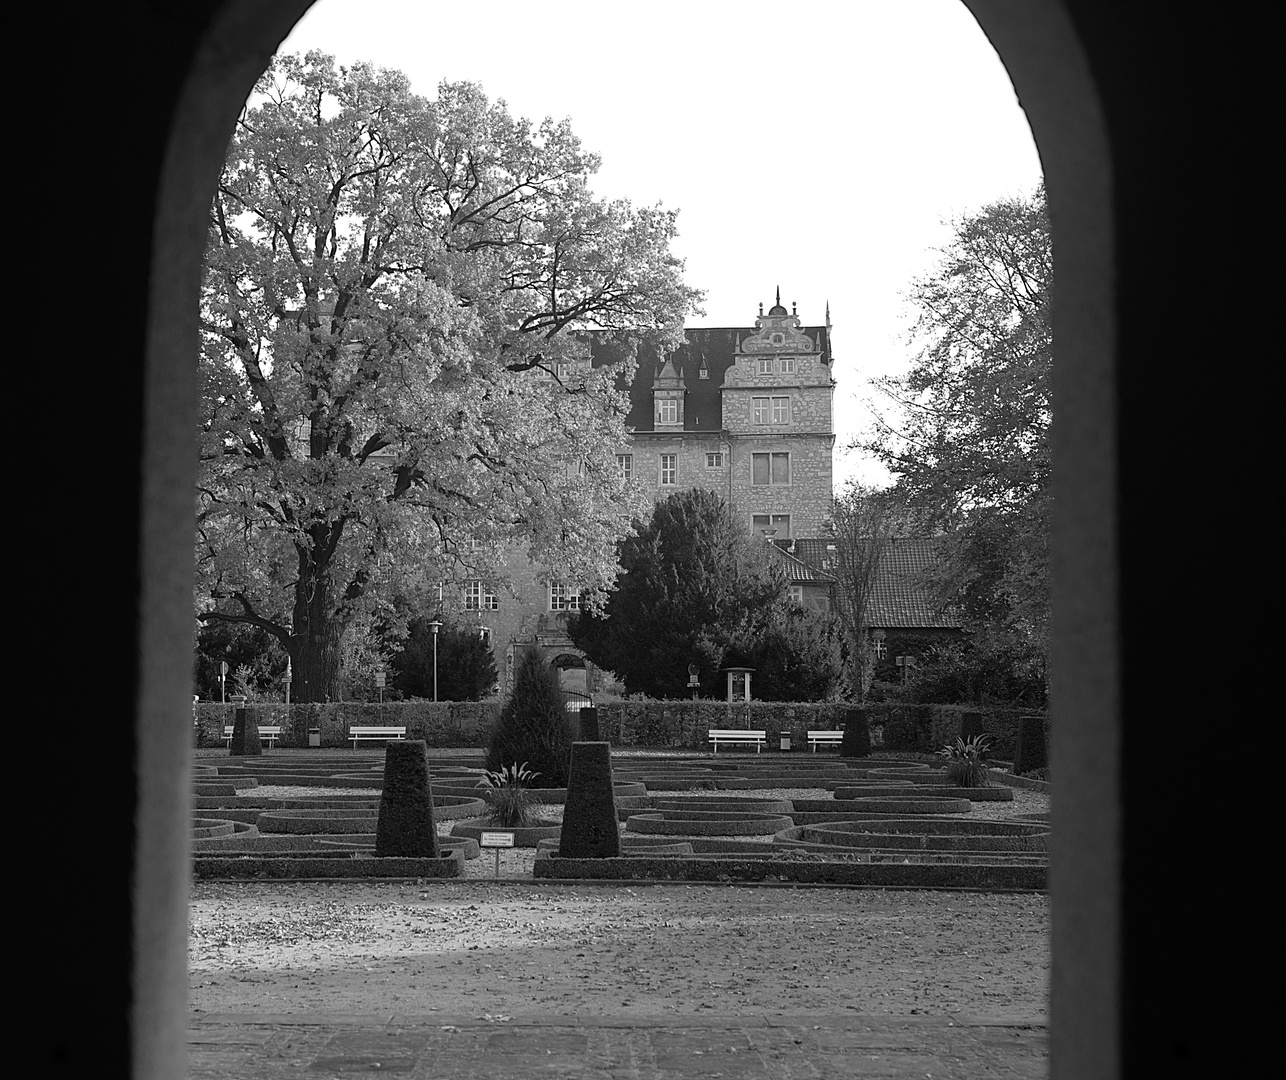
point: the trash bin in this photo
(314, 736)
(785, 740)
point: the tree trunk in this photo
(316, 637)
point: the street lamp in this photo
(435, 626)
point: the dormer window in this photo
(779, 339)
(703, 372)
(667, 411)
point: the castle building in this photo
(745, 412)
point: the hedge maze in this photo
(883, 822)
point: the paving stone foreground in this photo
(224, 1046)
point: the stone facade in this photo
(744, 412)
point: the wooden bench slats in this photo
(732, 737)
(364, 733)
(270, 732)
(824, 738)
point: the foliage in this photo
(864, 520)
(988, 668)
(796, 653)
(507, 795)
(692, 581)
(395, 372)
(466, 669)
(965, 766)
(971, 456)
(245, 649)
(534, 726)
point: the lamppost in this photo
(435, 626)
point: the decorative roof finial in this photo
(761, 309)
(794, 308)
(778, 296)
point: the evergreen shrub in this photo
(245, 735)
(1030, 753)
(857, 735)
(534, 726)
(589, 815)
(406, 826)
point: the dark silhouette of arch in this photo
(134, 103)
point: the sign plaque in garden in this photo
(497, 840)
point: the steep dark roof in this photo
(703, 405)
(900, 596)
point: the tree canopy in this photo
(971, 454)
(692, 581)
(395, 370)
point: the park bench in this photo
(735, 737)
(824, 738)
(269, 733)
(375, 734)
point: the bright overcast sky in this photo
(817, 145)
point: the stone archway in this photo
(1039, 46)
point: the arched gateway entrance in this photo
(186, 70)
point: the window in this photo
(881, 648)
(703, 372)
(765, 365)
(770, 468)
(625, 466)
(775, 410)
(669, 469)
(797, 594)
(774, 524)
(788, 365)
(478, 597)
(563, 597)
(714, 461)
(667, 411)
(778, 339)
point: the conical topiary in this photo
(245, 735)
(589, 816)
(1030, 749)
(857, 735)
(406, 826)
(534, 726)
(589, 724)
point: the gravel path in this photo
(530, 950)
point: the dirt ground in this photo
(518, 950)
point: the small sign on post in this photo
(499, 839)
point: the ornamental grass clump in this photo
(507, 795)
(964, 766)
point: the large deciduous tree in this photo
(971, 453)
(692, 581)
(396, 379)
(864, 520)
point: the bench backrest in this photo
(734, 733)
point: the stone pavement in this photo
(228, 1046)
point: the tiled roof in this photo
(799, 570)
(900, 598)
(715, 347)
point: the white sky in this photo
(817, 145)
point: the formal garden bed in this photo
(676, 816)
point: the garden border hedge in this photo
(675, 724)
